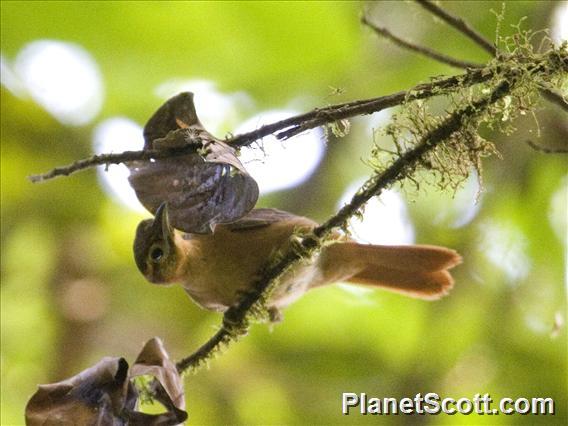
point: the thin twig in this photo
(197, 358)
(288, 127)
(292, 126)
(426, 51)
(555, 98)
(403, 166)
(107, 159)
(545, 149)
(327, 115)
(460, 25)
(235, 321)
(463, 27)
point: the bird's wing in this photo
(259, 218)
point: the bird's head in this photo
(155, 250)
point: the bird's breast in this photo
(221, 268)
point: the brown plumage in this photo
(218, 268)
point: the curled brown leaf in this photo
(203, 188)
(105, 395)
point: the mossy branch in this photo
(122, 157)
(321, 116)
(509, 81)
(463, 122)
(284, 129)
(463, 27)
(525, 74)
(237, 319)
(291, 126)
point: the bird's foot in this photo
(275, 315)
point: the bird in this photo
(217, 269)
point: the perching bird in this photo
(217, 269)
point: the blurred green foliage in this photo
(71, 294)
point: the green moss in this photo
(526, 69)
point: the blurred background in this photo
(83, 77)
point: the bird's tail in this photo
(416, 270)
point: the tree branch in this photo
(322, 116)
(426, 51)
(555, 98)
(288, 127)
(107, 159)
(460, 25)
(235, 319)
(292, 126)
(545, 149)
(463, 27)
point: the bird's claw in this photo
(275, 315)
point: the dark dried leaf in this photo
(104, 395)
(201, 189)
(167, 387)
(96, 396)
(177, 113)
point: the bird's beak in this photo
(161, 223)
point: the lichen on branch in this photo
(238, 318)
(452, 162)
(288, 127)
(447, 145)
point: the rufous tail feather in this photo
(418, 271)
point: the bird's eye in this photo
(156, 254)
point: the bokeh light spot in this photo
(377, 121)
(558, 211)
(117, 135)
(63, 78)
(557, 214)
(559, 32)
(464, 205)
(278, 164)
(84, 300)
(504, 245)
(10, 80)
(385, 219)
